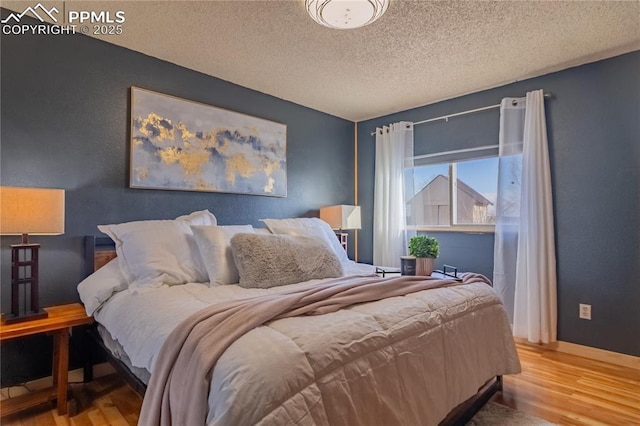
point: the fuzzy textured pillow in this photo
(265, 261)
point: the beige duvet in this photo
(398, 361)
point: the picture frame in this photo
(183, 145)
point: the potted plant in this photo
(425, 249)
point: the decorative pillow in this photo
(262, 231)
(98, 287)
(202, 217)
(278, 226)
(315, 232)
(265, 261)
(215, 251)
(156, 252)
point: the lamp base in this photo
(29, 316)
(343, 238)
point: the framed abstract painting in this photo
(184, 145)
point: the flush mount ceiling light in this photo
(346, 14)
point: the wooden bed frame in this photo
(100, 250)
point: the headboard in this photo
(98, 251)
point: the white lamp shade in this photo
(35, 211)
(341, 216)
(346, 14)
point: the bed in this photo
(428, 357)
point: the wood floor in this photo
(557, 387)
(571, 390)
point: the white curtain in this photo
(508, 200)
(524, 254)
(394, 147)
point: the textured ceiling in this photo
(418, 53)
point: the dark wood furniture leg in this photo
(61, 368)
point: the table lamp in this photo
(342, 217)
(24, 211)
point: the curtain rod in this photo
(447, 117)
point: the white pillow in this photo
(316, 233)
(156, 252)
(98, 287)
(215, 251)
(262, 231)
(279, 226)
(202, 217)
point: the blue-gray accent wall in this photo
(65, 124)
(593, 126)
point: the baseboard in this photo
(75, 376)
(596, 354)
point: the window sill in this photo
(470, 229)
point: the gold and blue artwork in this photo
(183, 145)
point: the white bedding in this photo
(404, 360)
(141, 319)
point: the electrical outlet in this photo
(585, 311)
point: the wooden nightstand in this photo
(59, 323)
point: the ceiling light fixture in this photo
(346, 14)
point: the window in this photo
(457, 194)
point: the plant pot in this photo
(425, 265)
